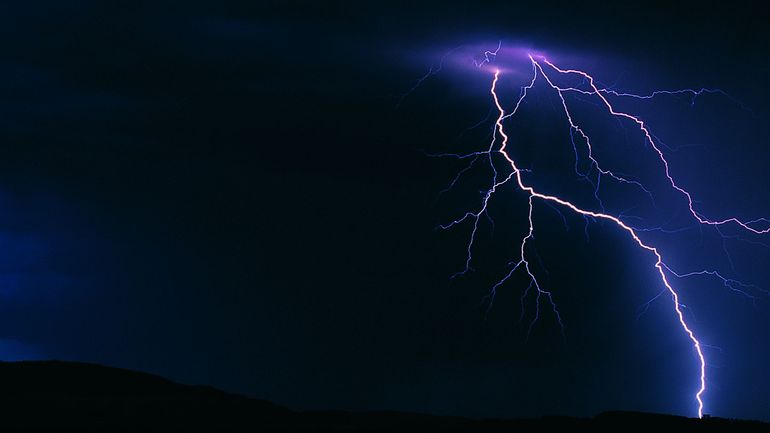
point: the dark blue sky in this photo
(226, 194)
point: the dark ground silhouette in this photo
(55, 396)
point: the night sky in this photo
(233, 193)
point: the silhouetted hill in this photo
(55, 396)
(66, 396)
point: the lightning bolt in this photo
(499, 144)
(533, 194)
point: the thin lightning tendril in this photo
(648, 136)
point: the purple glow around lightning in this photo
(542, 67)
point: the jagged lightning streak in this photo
(542, 67)
(533, 194)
